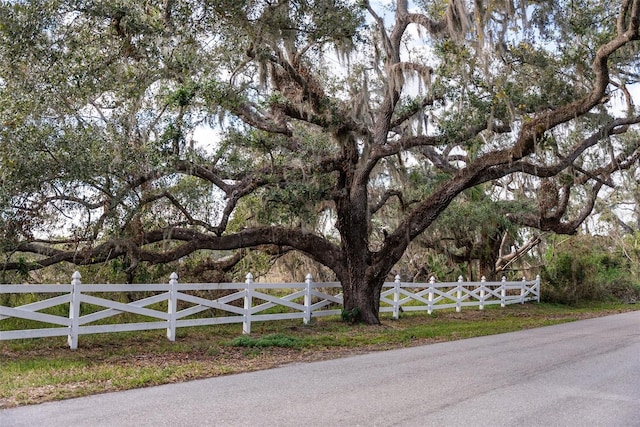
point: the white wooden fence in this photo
(253, 301)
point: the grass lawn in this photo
(45, 369)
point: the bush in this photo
(587, 268)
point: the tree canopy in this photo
(343, 130)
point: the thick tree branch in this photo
(534, 129)
(224, 265)
(250, 115)
(193, 169)
(505, 260)
(311, 244)
(616, 127)
(406, 143)
(385, 198)
(416, 108)
(485, 168)
(554, 222)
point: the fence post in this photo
(396, 297)
(432, 281)
(246, 325)
(459, 295)
(503, 292)
(74, 310)
(522, 290)
(307, 299)
(483, 287)
(172, 306)
(538, 290)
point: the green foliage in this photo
(183, 96)
(271, 340)
(350, 316)
(585, 268)
(471, 229)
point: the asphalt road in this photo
(585, 373)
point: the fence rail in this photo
(174, 305)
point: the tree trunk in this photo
(487, 268)
(361, 292)
(361, 301)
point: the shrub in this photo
(587, 268)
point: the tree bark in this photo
(361, 300)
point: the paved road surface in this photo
(584, 373)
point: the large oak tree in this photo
(341, 130)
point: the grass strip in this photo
(39, 370)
